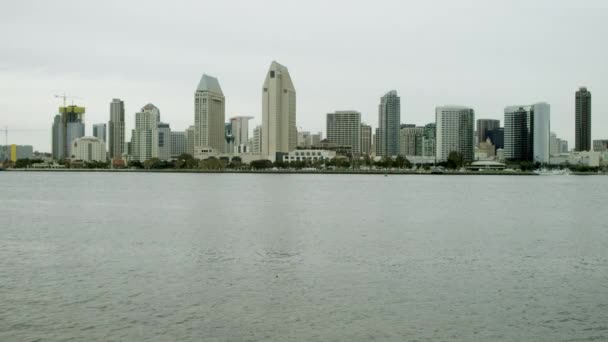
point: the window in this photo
(272, 74)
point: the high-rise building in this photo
(553, 144)
(116, 129)
(497, 136)
(600, 145)
(89, 149)
(16, 152)
(67, 126)
(454, 132)
(528, 132)
(228, 138)
(190, 140)
(304, 139)
(178, 144)
(389, 121)
(99, 131)
(344, 129)
(582, 125)
(366, 139)
(278, 112)
(484, 126)
(209, 115)
(161, 142)
(563, 146)
(257, 140)
(145, 134)
(315, 139)
(410, 140)
(428, 140)
(240, 131)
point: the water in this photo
(192, 257)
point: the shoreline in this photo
(301, 172)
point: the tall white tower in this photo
(209, 114)
(278, 112)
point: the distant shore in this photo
(305, 172)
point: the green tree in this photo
(152, 163)
(401, 162)
(211, 163)
(261, 164)
(455, 160)
(135, 164)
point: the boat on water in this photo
(546, 172)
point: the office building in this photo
(99, 131)
(178, 144)
(454, 132)
(15, 152)
(553, 144)
(563, 146)
(161, 142)
(67, 126)
(304, 139)
(240, 132)
(600, 145)
(256, 145)
(484, 126)
(527, 133)
(428, 140)
(278, 112)
(366, 139)
(410, 140)
(145, 134)
(582, 125)
(344, 129)
(497, 136)
(228, 138)
(190, 140)
(209, 115)
(89, 149)
(389, 122)
(116, 129)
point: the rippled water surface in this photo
(194, 257)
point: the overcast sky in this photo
(341, 55)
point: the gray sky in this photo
(341, 55)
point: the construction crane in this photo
(65, 97)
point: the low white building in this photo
(309, 155)
(88, 149)
(583, 158)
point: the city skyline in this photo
(481, 72)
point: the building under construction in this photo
(67, 126)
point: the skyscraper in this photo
(410, 140)
(582, 125)
(278, 112)
(344, 129)
(256, 145)
(428, 140)
(240, 131)
(366, 139)
(528, 133)
(99, 131)
(497, 136)
(68, 125)
(389, 121)
(143, 136)
(484, 126)
(116, 129)
(161, 141)
(209, 115)
(190, 140)
(178, 144)
(454, 132)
